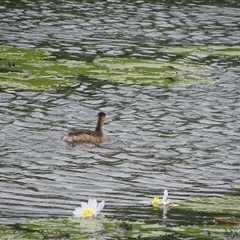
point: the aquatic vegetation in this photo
(31, 69)
(228, 205)
(236, 186)
(208, 231)
(94, 228)
(226, 227)
(140, 71)
(90, 209)
(90, 227)
(83, 228)
(126, 226)
(226, 220)
(203, 51)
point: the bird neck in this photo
(99, 127)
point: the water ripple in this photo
(181, 138)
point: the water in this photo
(183, 138)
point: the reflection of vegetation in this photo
(202, 50)
(32, 69)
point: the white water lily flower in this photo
(164, 201)
(90, 209)
(157, 201)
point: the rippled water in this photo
(183, 138)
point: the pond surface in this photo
(183, 138)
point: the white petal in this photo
(84, 205)
(93, 203)
(165, 196)
(78, 212)
(99, 208)
(166, 202)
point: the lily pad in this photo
(70, 228)
(209, 231)
(228, 205)
(209, 50)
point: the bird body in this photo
(87, 136)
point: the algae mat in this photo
(103, 228)
(69, 228)
(203, 51)
(228, 205)
(31, 69)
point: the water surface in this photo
(183, 138)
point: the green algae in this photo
(31, 69)
(69, 228)
(203, 51)
(228, 205)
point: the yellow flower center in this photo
(88, 211)
(155, 201)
